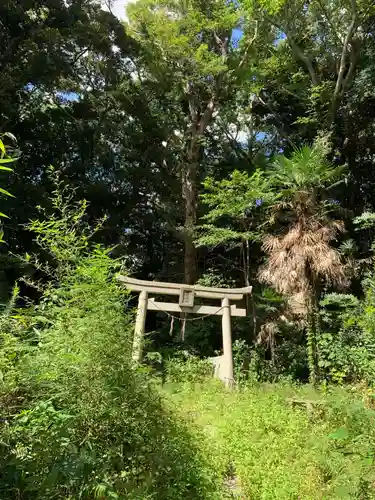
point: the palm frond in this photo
(307, 168)
(293, 256)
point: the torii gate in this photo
(187, 294)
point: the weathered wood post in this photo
(139, 329)
(227, 343)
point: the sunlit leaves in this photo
(212, 236)
(181, 36)
(236, 196)
(365, 220)
(235, 207)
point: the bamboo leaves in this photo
(5, 158)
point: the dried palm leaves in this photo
(299, 257)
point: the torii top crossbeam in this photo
(164, 288)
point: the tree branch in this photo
(297, 51)
(250, 43)
(326, 15)
(305, 59)
(348, 39)
(189, 91)
(222, 43)
(281, 128)
(207, 114)
(350, 73)
(79, 55)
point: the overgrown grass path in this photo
(265, 448)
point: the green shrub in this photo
(184, 367)
(77, 420)
(241, 357)
(89, 423)
(344, 345)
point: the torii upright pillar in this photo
(139, 329)
(226, 327)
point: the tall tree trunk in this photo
(313, 330)
(250, 303)
(190, 194)
(198, 127)
(311, 349)
(199, 122)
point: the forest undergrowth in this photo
(284, 441)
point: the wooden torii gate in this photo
(186, 298)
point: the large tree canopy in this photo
(169, 124)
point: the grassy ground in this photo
(267, 449)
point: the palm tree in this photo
(300, 256)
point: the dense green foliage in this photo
(228, 144)
(79, 423)
(77, 420)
